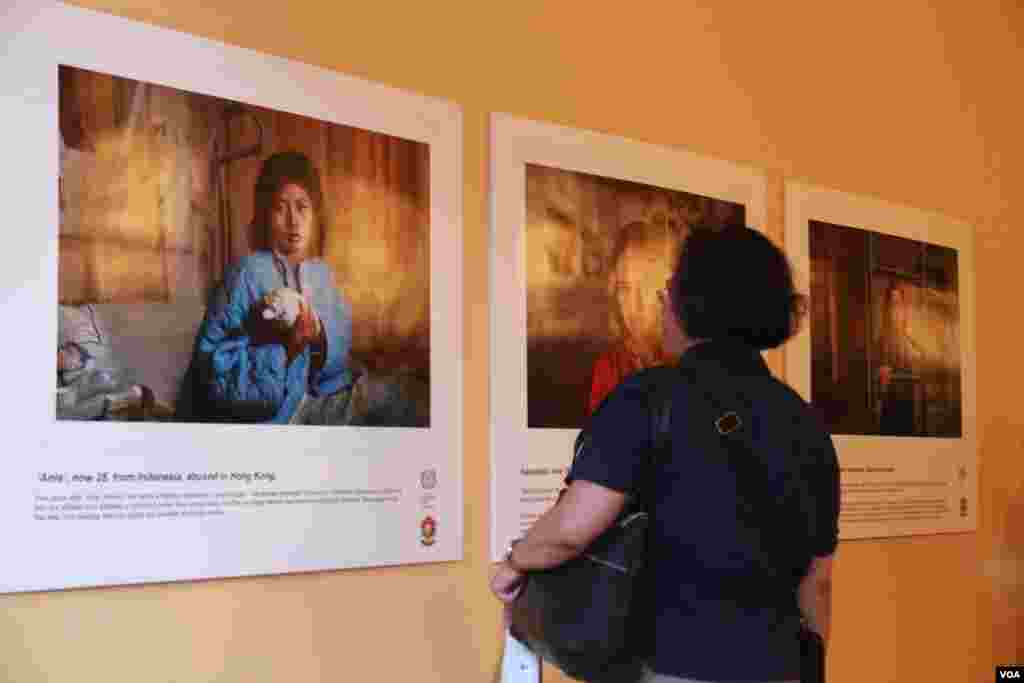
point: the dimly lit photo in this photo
(885, 333)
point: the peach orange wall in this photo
(918, 102)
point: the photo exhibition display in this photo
(247, 317)
(886, 357)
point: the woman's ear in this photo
(799, 315)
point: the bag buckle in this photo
(728, 423)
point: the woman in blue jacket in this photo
(274, 344)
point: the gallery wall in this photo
(912, 102)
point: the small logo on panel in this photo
(428, 531)
(428, 478)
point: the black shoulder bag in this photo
(590, 616)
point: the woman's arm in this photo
(585, 511)
(582, 514)
(815, 596)
(612, 455)
(241, 379)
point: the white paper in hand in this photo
(519, 664)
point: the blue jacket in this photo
(234, 380)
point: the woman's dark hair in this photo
(277, 171)
(733, 283)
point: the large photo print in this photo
(240, 276)
(223, 262)
(884, 333)
(886, 357)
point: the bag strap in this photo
(733, 428)
(659, 407)
(659, 404)
(732, 425)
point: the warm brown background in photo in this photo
(851, 272)
(157, 198)
(572, 222)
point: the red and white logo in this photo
(428, 531)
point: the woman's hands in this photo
(306, 330)
(286, 317)
(507, 582)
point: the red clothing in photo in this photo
(610, 368)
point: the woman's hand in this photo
(286, 317)
(272, 318)
(305, 331)
(507, 582)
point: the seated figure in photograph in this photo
(899, 356)
(276, 334)
(274, 344)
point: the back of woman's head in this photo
(733, 283)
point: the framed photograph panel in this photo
(236, 281)
(886, 357)
(585, 228)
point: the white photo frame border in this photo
(930, 459)
(295, 538)
(516, 142)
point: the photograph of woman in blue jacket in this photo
(274, 344)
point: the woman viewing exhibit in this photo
(744, 504)
(274, 344)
